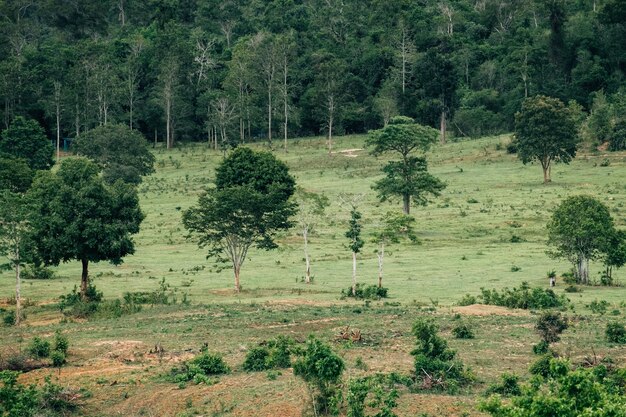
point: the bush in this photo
(256, 359)
(370, 292)
(16, 399)
(467, 300)
(541, 348)
(599, 307)
(463, 331)
(37, 272)
(274, 354)
(61, 344)
(9, 318)
(523, 297)
(39, 348)
(550, 325)
(615, 332)
(200, 367)
(508, 386)
(58, 358)
(573, 289)
(377, 392)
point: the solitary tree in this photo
(25, 139)
(355, 242)
(76, 216)
(580, 230)
(248, 206)
(545, 132)
(311, 208)
(121, 152)
(407, 178)
(395, 227)
(13, 235)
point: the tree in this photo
(14, 229)
(248, 206)
(121, 152)
(545, 132)
(580, 230)
(76, 216)
(395, 226)
(355, 242)
(614, 255)
(409, 177)
(15, 175)
(311, 208)
(25, 139)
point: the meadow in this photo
(487, 229)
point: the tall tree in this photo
(76, 216)
(545, 132)
(25, 139)
(409, 177)
(394, 227)
(355, 242)
(248, 206)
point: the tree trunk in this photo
(84, 279)
(307, 260)
(545, 165)
(330, 135)
(237, 269)
(353, 274)
(381, 256)
(406, 203)
(269, 116)
(18, 296)
(58, 111)
(442, 127)
(582, 267)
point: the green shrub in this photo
(9, 318)
(550, 325)
(508, 386)
(274, 354)
(37, 272)
(200, 368)
(16, 400)
(39, 348)
(373, 392)
(256, 359)
(58, 358)
(61, 344)
(541, 348)
(573, 289)
(599, 307)
(369, 292)
(615, 332)
(523, 297)
(463, 331)
(467, 300)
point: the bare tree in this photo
(203, 58)
(267, 61)
(405, 55)
(57, 111)
(223, 111)
(132, 74)
(311, 207)
(169, 79)
(286, 47)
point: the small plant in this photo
(467, 300)
(373, 392)
(369, 292)
(273, 354)
(9, 318)
(61, 344)
(573, 289)
(256, 359)
(39, 348)
(599, 307)
(463, 331)
(523, 297)
(516, 239)
(615, 332)
(515, 268)
(37, 272)
(200, 368)
(58, 358)
(508, 386)
(550, 325)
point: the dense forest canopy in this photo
(239, 70)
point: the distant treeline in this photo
(235, 70)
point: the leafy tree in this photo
(311, 208)
(121, 152)
(27, 140)
(15, 175)
(76, 216)
(355, 242)
(14, 230)
(395, 226)
(248, 206)
(550, 325)
(409, 177)
(614, 255)
(545, 132)
(580, 230)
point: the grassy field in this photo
(486, 230)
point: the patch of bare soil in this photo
(350, 153)
(488, 310)
(306, 323)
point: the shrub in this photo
(199, 368)
(369, 292)
(615, 332)
(9, 318)
(508, 386)
(321, 369)
(374, 392)
(61, 344)
(463, 331)
(467, 300)
(37, 272)
(58, 358)
(274, 354)
(541, 348)
(16, 399)
(573, 289)
(256, 359)
(523, 297)
(39, 348)
(550, 325)
(599, 307)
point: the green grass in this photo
(466, 243)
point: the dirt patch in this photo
(350, 153)
(306, 323)
(488, 310)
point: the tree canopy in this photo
(545, 132)
(121, 152)
(25, 139)
(248, 206)
(77, 216)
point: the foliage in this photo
(508, 386)
(355, 242)
(523, 297)
(15, 175)
(615, 332)
(563, 392)
(550, 325)
(463, 331)
(58, 358)
(199, 368)
(599, 306)
(617, 138)
(321, 368)
(77, 216)
(270, 355)
(435, 363)
(37, 272)
(248, 206)
(16, 400)
(580, 230)
(61, 343)
(25, 139)
(121, 152)
(39, 348)
(375, 393)
(366, 292)
(545, 132)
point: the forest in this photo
(237, 71)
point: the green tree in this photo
(409, 177)
(355, 242)
(580, 230)
(25, 139)
(14, 228)
(76, 216)
(545, 132)
(121, 152)
(395, 226)
(15, 175)
(248, 206)
(614, 255)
